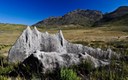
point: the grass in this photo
(9, 34)
(68, 74)
(11, 27)
(91, 34)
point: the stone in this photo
(32, 40)
(54, 51)
(49, 61)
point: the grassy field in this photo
(92, 34)
(103, 37)
(10, 33)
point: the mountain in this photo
(115, 18)
(87, 18)
(76, 17)
(117, 13)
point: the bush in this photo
(3, 78)
(5, 70)
(68, 74)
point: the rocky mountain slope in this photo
(87, 18)
(123, 10)
(76, 17)
(117, 17)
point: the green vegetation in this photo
(68, 74)
(115, 71)
(3, 78)
(5, 68)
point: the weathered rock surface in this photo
(54, 51)
(32, 40)
(49, 61)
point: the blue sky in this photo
(31, 11)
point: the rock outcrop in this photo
(54, 51)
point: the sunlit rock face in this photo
(32, 40)
(53, 51)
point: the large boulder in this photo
(53, 51)
(32, 40)
(49, 61)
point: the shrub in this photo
(3, 78)
(68, 74)
(5, 70)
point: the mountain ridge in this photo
(76, 17)
(87, 18)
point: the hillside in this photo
(119, 17)
(87, 18)
(119, 21)
(76, 17)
